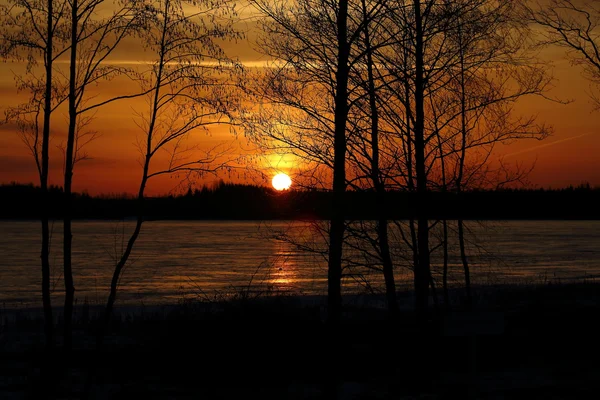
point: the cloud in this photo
(541, 146)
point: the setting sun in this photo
(281, 182)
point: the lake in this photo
(177, 260)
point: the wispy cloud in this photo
(246, 63)
(541, 146)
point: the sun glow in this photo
(281, 181)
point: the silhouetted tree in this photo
(308, 96)
(573, 25)
(92, 38)
(190, 87)
(429, 99)
(488, 36)
(461, 124)
(28, 32)
(376, 176)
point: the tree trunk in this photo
(445, 268)
(336, 232)
(461, 167)
(433, 293)
(388, 267)
(45, 255)
(382, 223)
(422, 272)
(69, 160)
(140, 199)
(465, 262)
(410, 167)
(116, 276)
(442, 158)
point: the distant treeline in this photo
(235, 201)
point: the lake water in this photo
(177, 260)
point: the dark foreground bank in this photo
(520, 342)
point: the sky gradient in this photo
(569, 157)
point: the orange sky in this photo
(570, 156)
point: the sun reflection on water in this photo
(284, 269)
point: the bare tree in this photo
(575, 26)
(190, 86)
(378, 180)
(431, 92)
(29, 32)
(461, 124)
(487, 37)
(312, 43)
(92, 38)
(422, 269)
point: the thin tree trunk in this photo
(422, 272)
(140, 199)
(463, 112)
(45, 255)
(434, 296)
(445, 267)
(69, 160)
(118, 269)
(465, 262)
(388, 267)
(410, 172)
(382, 223)
(444, 221)
(336, 232)
(409, 141)
(112, 297)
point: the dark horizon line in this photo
(584, 186)
(252, 202)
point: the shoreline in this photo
(486, 294)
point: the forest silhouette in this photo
(226, 201)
